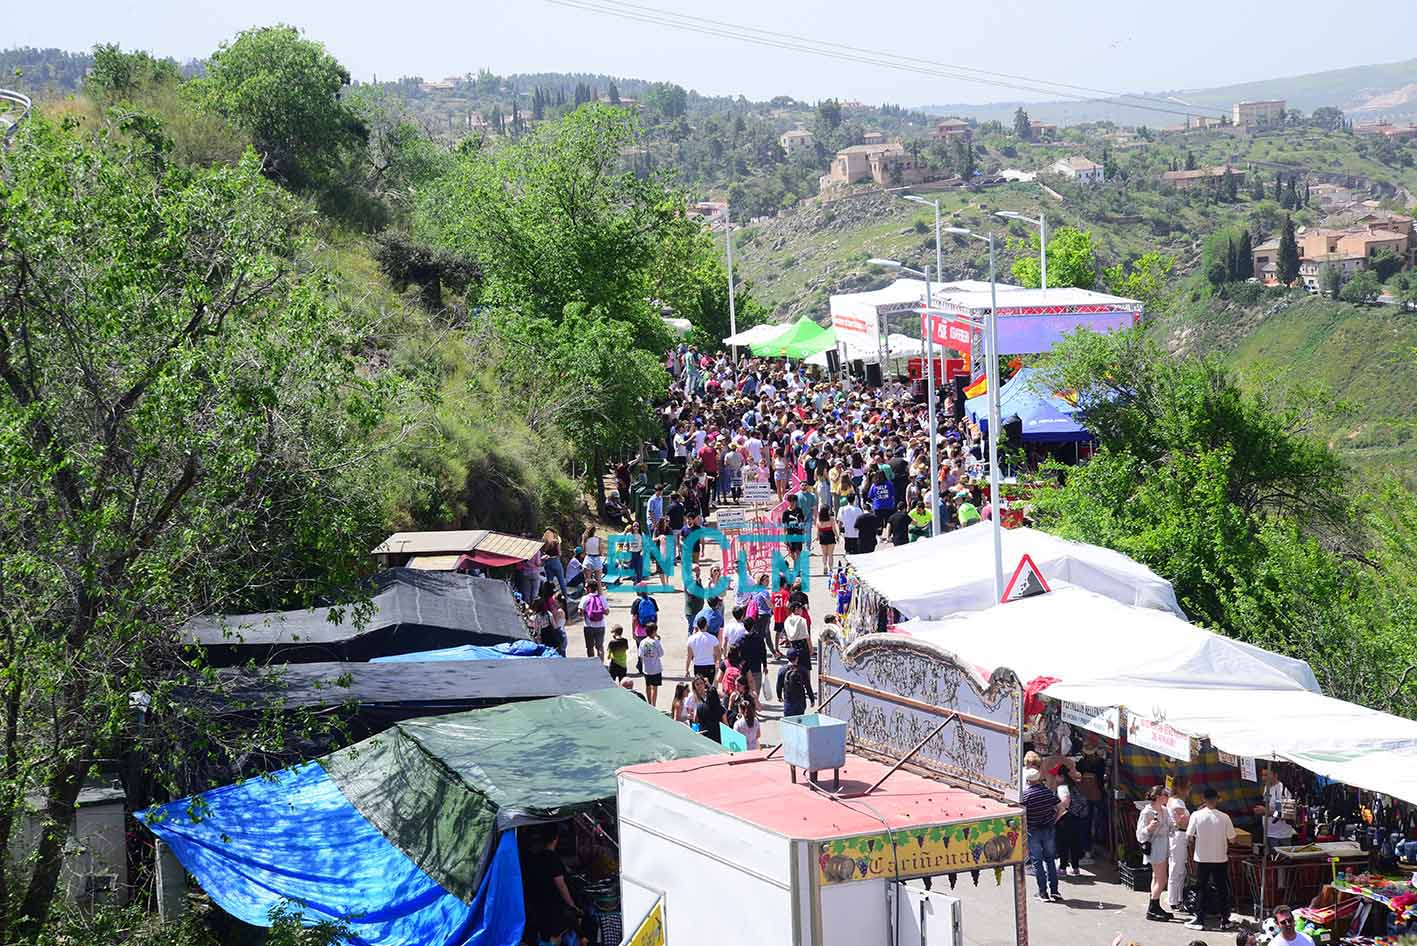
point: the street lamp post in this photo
(991, 369)
(1042, 224)
(931, 422)
(732, 312)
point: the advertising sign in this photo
(650, 931)
(949, 333)
(977, 365)
(922, 852)
(758, 493)
(1158, 737)
(1103, 720)
(861, 326)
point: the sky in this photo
(1110, 45)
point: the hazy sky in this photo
(1109, 44)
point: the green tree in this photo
(666, 99)
(1385, 264)
(118, 76)
(1256, 187)
(829, 114)
(1023, 128)
(614, 95)
(1072, 261)
(1330, 279)
(1362, 288)
(1190, 160)
(1244, 256)
(184, 427)
(284, 90)
(1145, 279)
(555, 220)
(1229, 186)
(1328, 118)
(1288, 253)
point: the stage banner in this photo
(956, 334)
(857, 326)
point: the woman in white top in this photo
(747, 724)
(594, 551)
(1154, 836)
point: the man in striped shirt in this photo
(1040, 806)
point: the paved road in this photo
(1097, 907)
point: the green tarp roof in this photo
(801, 340)
(440, 788)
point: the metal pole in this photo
(991, 368)
(931, 422)
(732, 311)
(1043, 247)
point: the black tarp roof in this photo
(414, 684)
(412, 611)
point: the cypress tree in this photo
(1288, 253)
(1244, 257)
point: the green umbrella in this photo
(804, 339)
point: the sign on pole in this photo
(1026, 582)
(1158, 737)
(1103, 720)
(731, 739)
(732, 520)
(650, 930)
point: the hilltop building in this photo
(1257, 114)
(887, 164)
(1201, 177)
(796, 140)
(947, 128)
(1350, 249)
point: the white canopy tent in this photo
(757, 334)
(954, 571)
(860, 317)
(901, 346)
(1245, 700)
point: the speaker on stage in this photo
(833, 361)
(873, 375)
(858, 368)
(959, 382)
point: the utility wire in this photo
(838, 51)
(1064, 88)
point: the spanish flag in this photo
(977, 388)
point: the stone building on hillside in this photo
(1257, 114)
(887, 164)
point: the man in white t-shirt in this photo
(1209, 833)
(847, 516)
(1288, 935)
(702, 653)
(755, 450)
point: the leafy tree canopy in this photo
(285, 91)
(1072, 260)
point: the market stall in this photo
(806, 866)
(412, 836)
(411, 610)
(954, 572)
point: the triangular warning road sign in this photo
(1027, 582)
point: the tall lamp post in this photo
(732, 313)
(929, 387)
(991, 368)
(1042, 224)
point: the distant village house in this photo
(887, 164)
(796, 140)
(1077, 168)
(1257, 114)
(947, 128)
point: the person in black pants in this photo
(1210, 832)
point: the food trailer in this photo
(732, 849)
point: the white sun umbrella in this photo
(757, 334)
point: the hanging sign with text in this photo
(1103, 720)
(1158, 737)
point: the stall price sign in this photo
(1158, 737)
(922, 852)
(1103, 720)
(1247, 770)
(732, 520)
(758, 493)
(650, 931)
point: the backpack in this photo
(594, 608)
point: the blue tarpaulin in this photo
(293, 838)
(1045, 417)
(474, 652)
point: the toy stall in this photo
(874, 859)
